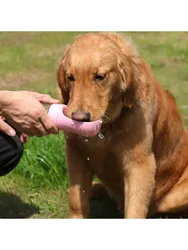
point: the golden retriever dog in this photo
(142, 157)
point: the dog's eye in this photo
(71, 78)
(99, 77)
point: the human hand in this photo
(23, 138)
(4, 127)
(24, 112)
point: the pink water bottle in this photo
(64, 123)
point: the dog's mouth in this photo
(99, 126)
(80, 116)
(107, 117)
(58, 113)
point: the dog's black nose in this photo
(81, 116)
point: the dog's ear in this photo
(125, 84)
(63, 84)
(61, 79)
(125, 73)
(128, 60)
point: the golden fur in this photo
(143, 159)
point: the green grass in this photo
(37, 188)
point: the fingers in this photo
(4, 127)
(48, 124)
(48, 99)
(23, 138)
(31, 128)
(44, 98)
(45, 124)
(36, 131)
(2, 117)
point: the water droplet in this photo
(79, 186)
(72, 124)
(101, 136)
(86, 140)
(83, 191)
(87, 158)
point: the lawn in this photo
(37, 188)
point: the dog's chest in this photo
(106, 162)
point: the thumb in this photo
(4, 127)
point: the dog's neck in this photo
(117, 127)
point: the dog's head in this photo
(94, 75)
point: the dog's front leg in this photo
(80, 183)
(139, 186)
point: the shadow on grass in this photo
(106, 208)
(11, 206)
